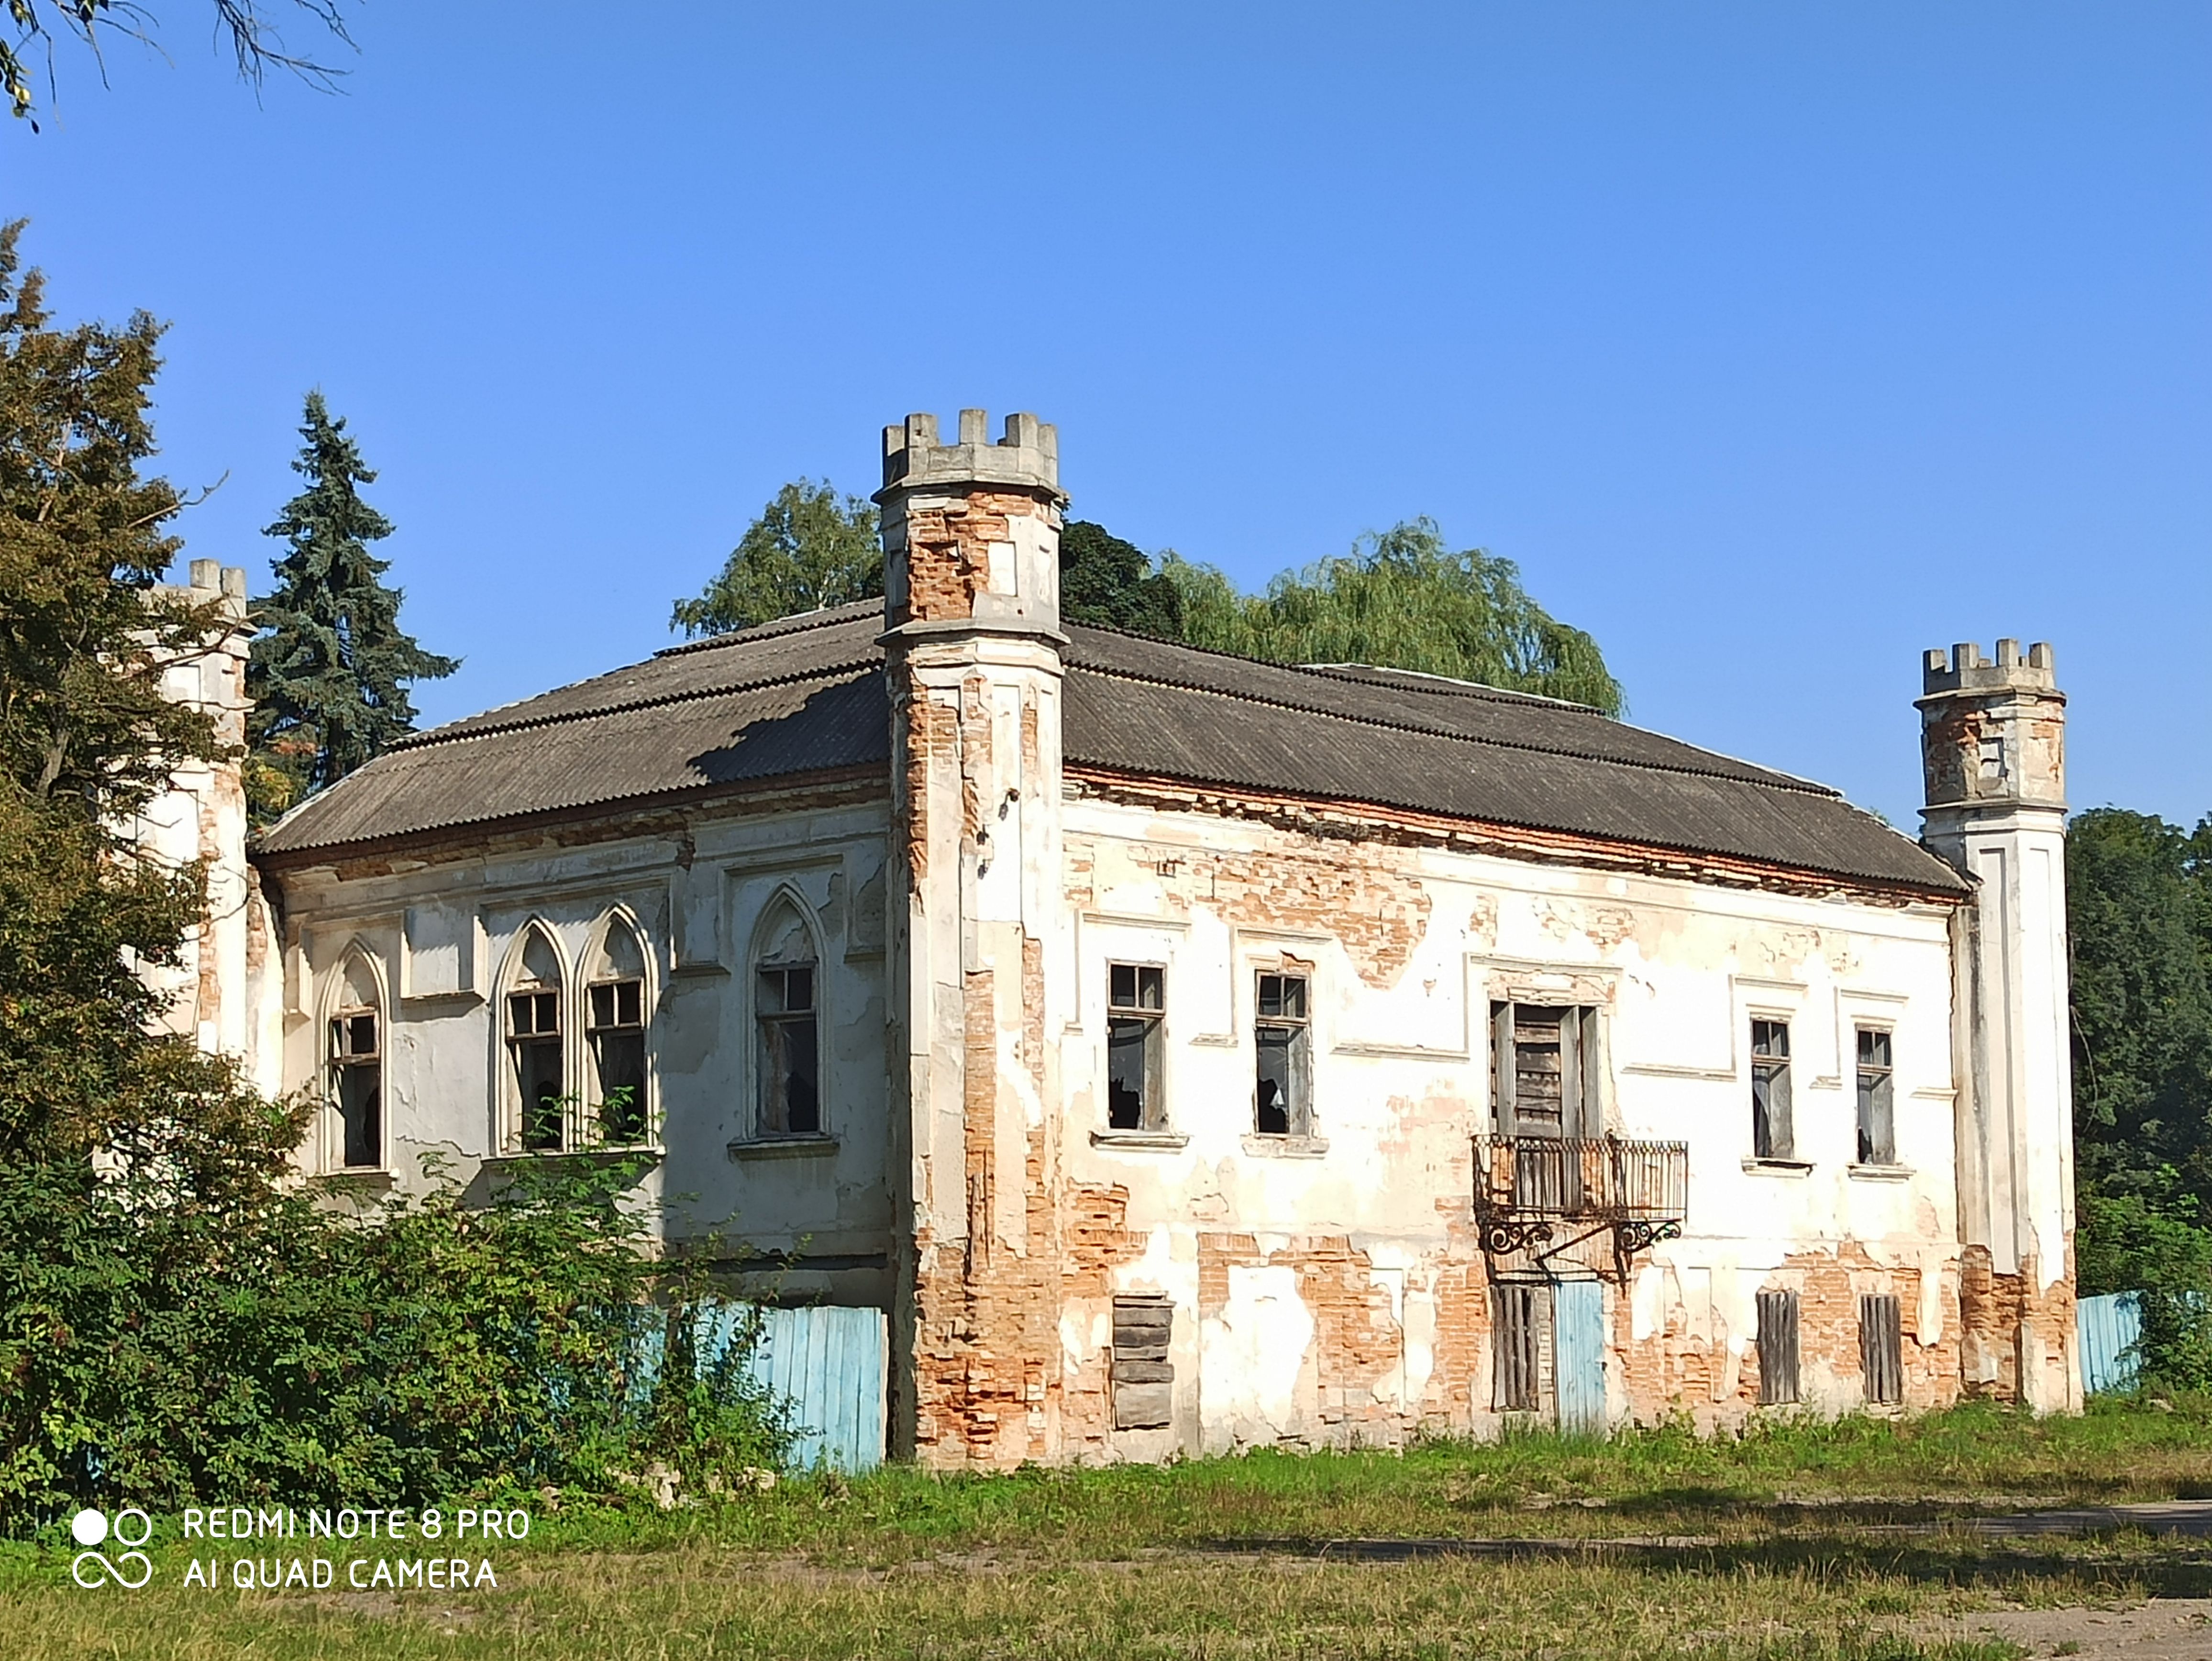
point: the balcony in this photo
(1529, 1189)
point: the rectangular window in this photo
(791, 1079)
(1777, 1347)
(1772, 1136)
(1144, 1378)
(1515, 1339)
(1882, 1349)
(1877, 1115)
(1285, 1101)
(615, 1023)
(357, 1065)
(1136, 1002)
(1544, 1070)
(533, 1042)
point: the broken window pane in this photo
(1136, 993)
(791, 1102)
(1877, 1115)
(533, 1026)
(1771, 1132)
(359, 1081)
(1283, 1105)
(617, 1044)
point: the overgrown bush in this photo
(163, 1351)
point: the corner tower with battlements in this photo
(1993, 751)
(971, 545)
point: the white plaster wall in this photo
(442, 931)
(1401, 1084)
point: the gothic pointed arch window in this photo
(354, 1054)
(535, 1025)
(788, 1012)
(617, 1005)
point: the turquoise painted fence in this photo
(2111, 1328)
(832, 1366)
(1578, 1355)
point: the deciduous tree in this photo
(808, 549)
(1401, 599)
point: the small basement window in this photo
(357, 1085)
(1282, 1038)
(790, 1064)
(1877, 1109)
(1777, 1347)
(533, 1043)
(1136, 1004)
(1142, 1377)
(1882, 1349)
(1773, 1135)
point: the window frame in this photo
(1874, 1095)
(1582, 1069)
(596, 1035)
(1773, 1123)
(342, 1063)
(1151, 1021)
(1293, 1032)
(772, 1037)
(528, 1121)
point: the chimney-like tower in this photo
(977, 961)
(1993, 748)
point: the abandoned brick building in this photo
(1187, 1053)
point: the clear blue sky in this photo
(1776, 343)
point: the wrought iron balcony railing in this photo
(1526, 1187)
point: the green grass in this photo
(1821, 1541)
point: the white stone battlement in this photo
(1027, 457)
(1963, 668)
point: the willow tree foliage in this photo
(809, 548)
(254, 37)
(331, 668)
(1401, 599)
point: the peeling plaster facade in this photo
(1064, 1287)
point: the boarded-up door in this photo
(1578, 1354)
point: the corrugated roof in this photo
(805, 695)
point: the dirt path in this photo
(2165, 1629)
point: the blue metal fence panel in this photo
(1578, 1354)
(2111, 1328)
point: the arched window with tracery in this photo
(536, 1029)
(354, 1054)
(787, 1006)
(616, 1007)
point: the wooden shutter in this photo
(1513, 1339)
(1882, 1349)
(1144, 1378)
(1777, 1347)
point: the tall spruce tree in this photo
(331, 671)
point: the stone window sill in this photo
(781, 1147)
(1159, 1142)
(362, 1176)
(1882, 1173)
(1757, 1167)
(1287, 1147)
(608, 1154)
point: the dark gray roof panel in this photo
(806, 695)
